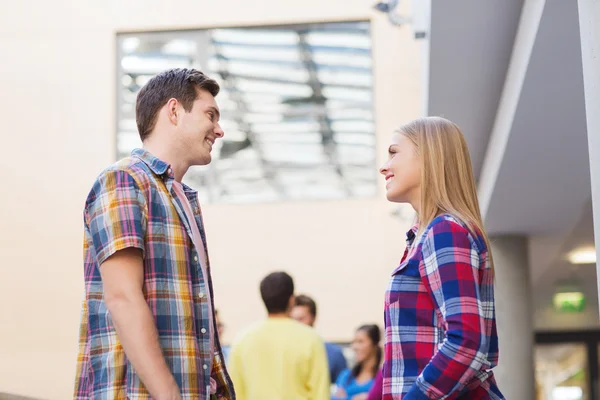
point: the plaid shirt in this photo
(440, 328)
(132, 204)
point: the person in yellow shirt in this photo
(279, 358)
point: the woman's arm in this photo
(450, 271)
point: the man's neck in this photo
(166, 154)
(279, 315)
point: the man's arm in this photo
(122, 278)
(117, 214)
(318, 378)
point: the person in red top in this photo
(376, 391)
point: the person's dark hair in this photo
(303, 300)
(374, 334)
(179, 83)
(276, 289)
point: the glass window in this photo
(561, 372)
(296, 105)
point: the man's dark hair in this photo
(179, 83)
(303, 300)
(276, 289)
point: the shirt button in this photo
(196, 258)
(205, 366)
(170, 171)
(203, 330)
(201, 295)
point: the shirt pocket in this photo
(410, 268)
(404, 284)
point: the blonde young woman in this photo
(440, 324)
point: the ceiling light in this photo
(583, 256)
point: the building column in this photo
(589, 29)
(515, 371)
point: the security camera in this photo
(388, 7)
(382, 6)
(420, 19)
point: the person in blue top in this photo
(305, 312)
(355, 383)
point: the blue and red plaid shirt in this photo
(133, 204)
(440, 326)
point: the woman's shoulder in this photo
(448, 223)
(449, 228)
(345, 373)
(446, 220)
(343, 376)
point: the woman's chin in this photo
(394, 197)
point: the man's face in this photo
(199, 128)
(220, 326)
(302, 314)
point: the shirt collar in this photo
(157, 166)
(412, 233)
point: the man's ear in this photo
(172, 110)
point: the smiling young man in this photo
(148, 326)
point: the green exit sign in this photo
(569, 302)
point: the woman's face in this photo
(362, 346)
(402, 171)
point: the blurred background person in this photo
(376, 392)
(279, 358)
(305, 311)
(355, 383)
(220, 330)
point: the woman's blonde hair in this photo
(447, 181)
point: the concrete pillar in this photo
(589, 28)
(515, 371)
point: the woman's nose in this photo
(383, 169)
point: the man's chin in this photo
(203, 160)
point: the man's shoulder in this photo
(333, 347)
(134, 167)
(247, 333)
(127, 173)
(131, 167)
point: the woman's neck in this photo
(367, 369)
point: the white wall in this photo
(589, 12)
(57, 106)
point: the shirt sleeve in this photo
(318, 377)
(116, 214)
(342, 378)
(450, 271)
